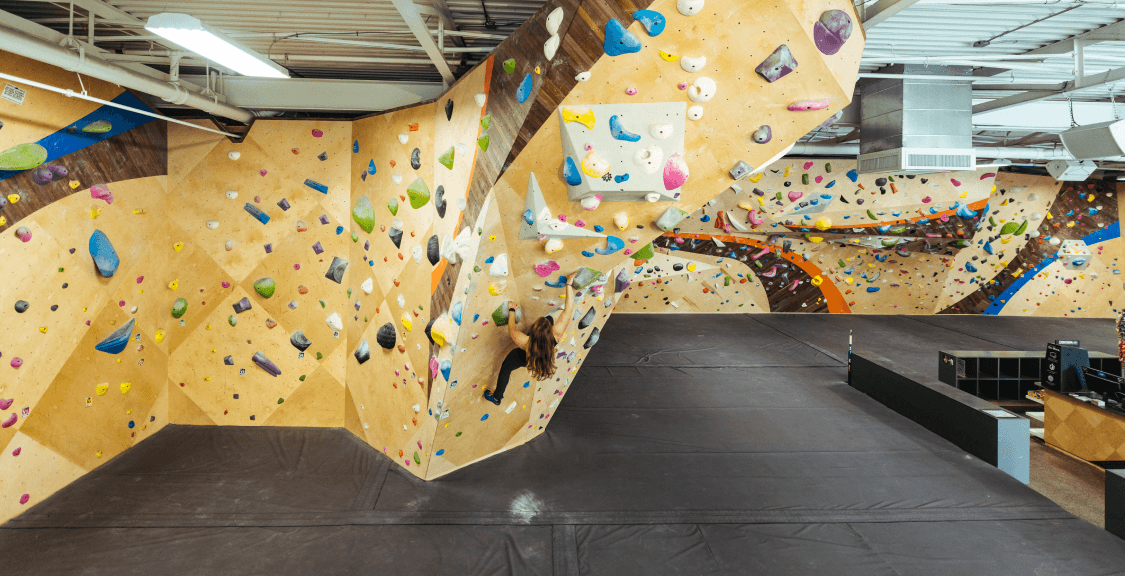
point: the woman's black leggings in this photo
(514, 360)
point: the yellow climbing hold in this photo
(178, 246)
(746, 205)
(786, 173)
(491, 237)
(159, 336)
(497, 289)
(101, 389)
(174, 284)
(583, 116)
(98, 453)
(125, 386)
(691, 267)
(95, 212)
(817, 280)
(595, 166)
(815, 239)
(668, 57)
(208, 326)
(406, 323)
(43, 329)
(138, 211)
(756, 177)
(964, 194)
(824, 223)
(537, 71)
(3, 220)
(207, 379)
(129, 411)
(74, 184)
(849, 280)
(438, 336)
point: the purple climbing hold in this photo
(620, 41)
(228, 360)
(241, 306)
(266, 364)
(777, 64)
(832, 31)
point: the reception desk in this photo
(1091, 433)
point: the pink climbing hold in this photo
(954, 181)
(819, 179)
(944, 217)
(988, 175)
(683, 86)
(317, 133)
(433, 367)
(755, 219)
(296, 266)
(927, 200)
(6, 403)
(589, 147)
(675, 172)
(562, 217)
(806, 105)
(24, 499)
(262, 172)
(631, 91)
(547, 268)
(17, 451)
(23, 234)
(140, 279)
(808, 165)
(580, 223)
(628, 251)
(17, 362)
(795, 195)
(10, 421)
(226, 284)
(101, 192)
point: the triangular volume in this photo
(537, 219)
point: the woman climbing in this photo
(535, 349)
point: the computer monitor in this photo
(1106, 384)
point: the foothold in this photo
(232, 320)
(118, 339)
(702, 90)
(832, 31)
(21, 306)
(595, 335)
(553, 245)
(419, 193)
(23, 157)
(631, 91)
(265, 287)
(777, 64)
(667, 57)
(101, 192)
(695, 113)
(693, 64)
(179, 307)
(763, 134)
(16, 363)
(231, 194)
(670, 218)
(105, 257)
(649, 159)
(363, 352)
(439, 201)
(416, 159)
(212, 224)
(740, 170)
(449, 109)
(619, 132)
(299, 341)
(241, 306)
(257, 213)
(509, 65)
(619, 41)
(322, 156)
(386, 336)
(433, 250)
(675, 172)
(652, 20)
(265, 364)
(336, 270)
(806, 105)
(334, 322)
(582, 76)
(446, 159)
(364, 213)
(317, 133)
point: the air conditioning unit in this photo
(1071, 170)
(917, 160)
(1101, 140)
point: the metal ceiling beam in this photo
(413, 19)
(1083, 83)
(105, 11)
(884, 9)
(308, 94)
(1107, 33)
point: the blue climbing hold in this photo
(355, 147)
(371, 167)
(619, 132)
(620, 41)
(705, 218)
(483, 418)
(599, 228)
(613, 244)
(884, 228)
(439, 452)
(457, 310)
(988, 247)
(830, 184)
(652, 20)
(524, 91)
(446, 367)
(933, 210)
(527, 384)
(116, 342)
(587, 253)
(963, 211)
(317, 186)
(490, 260)
(560, 283)
(527, 217)
(970, 267)
(872, 288)
(105, 257)
(852, 175)
(339, 230)
(621, 178)
(571, 173)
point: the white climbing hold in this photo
(499, 268)
(212, 224)
(550, 47)
(702, 90)
(1033, 197)
(553, 245)
(231, 194)
(229, 245)
(592, 202)
(660, 131)
(403, 138)
(367, 286)
(334, 322)
(459, 247)
(693, 64)
(417, 252)
(480, 99)
(554, 20)
(396, 178)
(582, 76)
(689, 7)
(652, 196)
(649, 159)
(1036, 216)
(234, 154)
(695, 113)
(621, 220)
(401, 301)
(461, 203)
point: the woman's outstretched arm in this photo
(518, 337)
(563, 322)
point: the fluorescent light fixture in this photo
(996, 163)
(190, 33)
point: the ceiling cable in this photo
(983, 43)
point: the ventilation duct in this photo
(915, 125)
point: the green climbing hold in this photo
(355, 236)
(888, 242)
(485, 121)
(280, 400)
(23, 157)
(991, 221)
(265, 287)
(509, 65)
(446, 160)
(500, 314)
(871, 215)
(232, 320)
(841, 263)
(457, 434)
(179, 307)
(417, 460)
(827, 166)
(302, 378)
(98, 127)
(726, 281)
(645, 252)
(323, 304)
(476, 268)
(419, 193)
(364, 214)
(1009, 228)
(804, 178)
(1021, 229)
(319, 356)
(482, 143)
(393, 206)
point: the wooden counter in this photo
(1081, 428)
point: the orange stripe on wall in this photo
(979, 204)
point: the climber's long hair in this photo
(541, 349)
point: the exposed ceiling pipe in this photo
(1010, 152)
(29, 46)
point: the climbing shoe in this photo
(488, 396)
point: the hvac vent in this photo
(1101, 140)
(917, 160)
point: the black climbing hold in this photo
(54, 307)
(72, 250)
(363, 176)
(433, 252)
(587, 319)
(924, 180)
(396, 236)
(299, 341)
(439, 201)
(430, 326)
(758, 192)
(880, 181)
(65, 284)
(71, 129)
(593, 339)
(449, 110)
(363, 353)
(241, 306)
(21, 306)
(677, 267)
(228, 360)
(416, 159)
(386, 336)
(322, 156)
(336, 269)
(284, 204)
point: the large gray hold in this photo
(433, 250)
(587, 319)
(439, 201)
(777, 64)
(336, 270)
(363, 353)
(299, 341)
(396, 236)
(22, 306)
(670, 218)
(242, 306)
(593, 339)
(416, 159)
(386, 336)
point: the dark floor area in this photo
(702, 444)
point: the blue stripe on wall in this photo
(1101, 235)
(62, 143)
